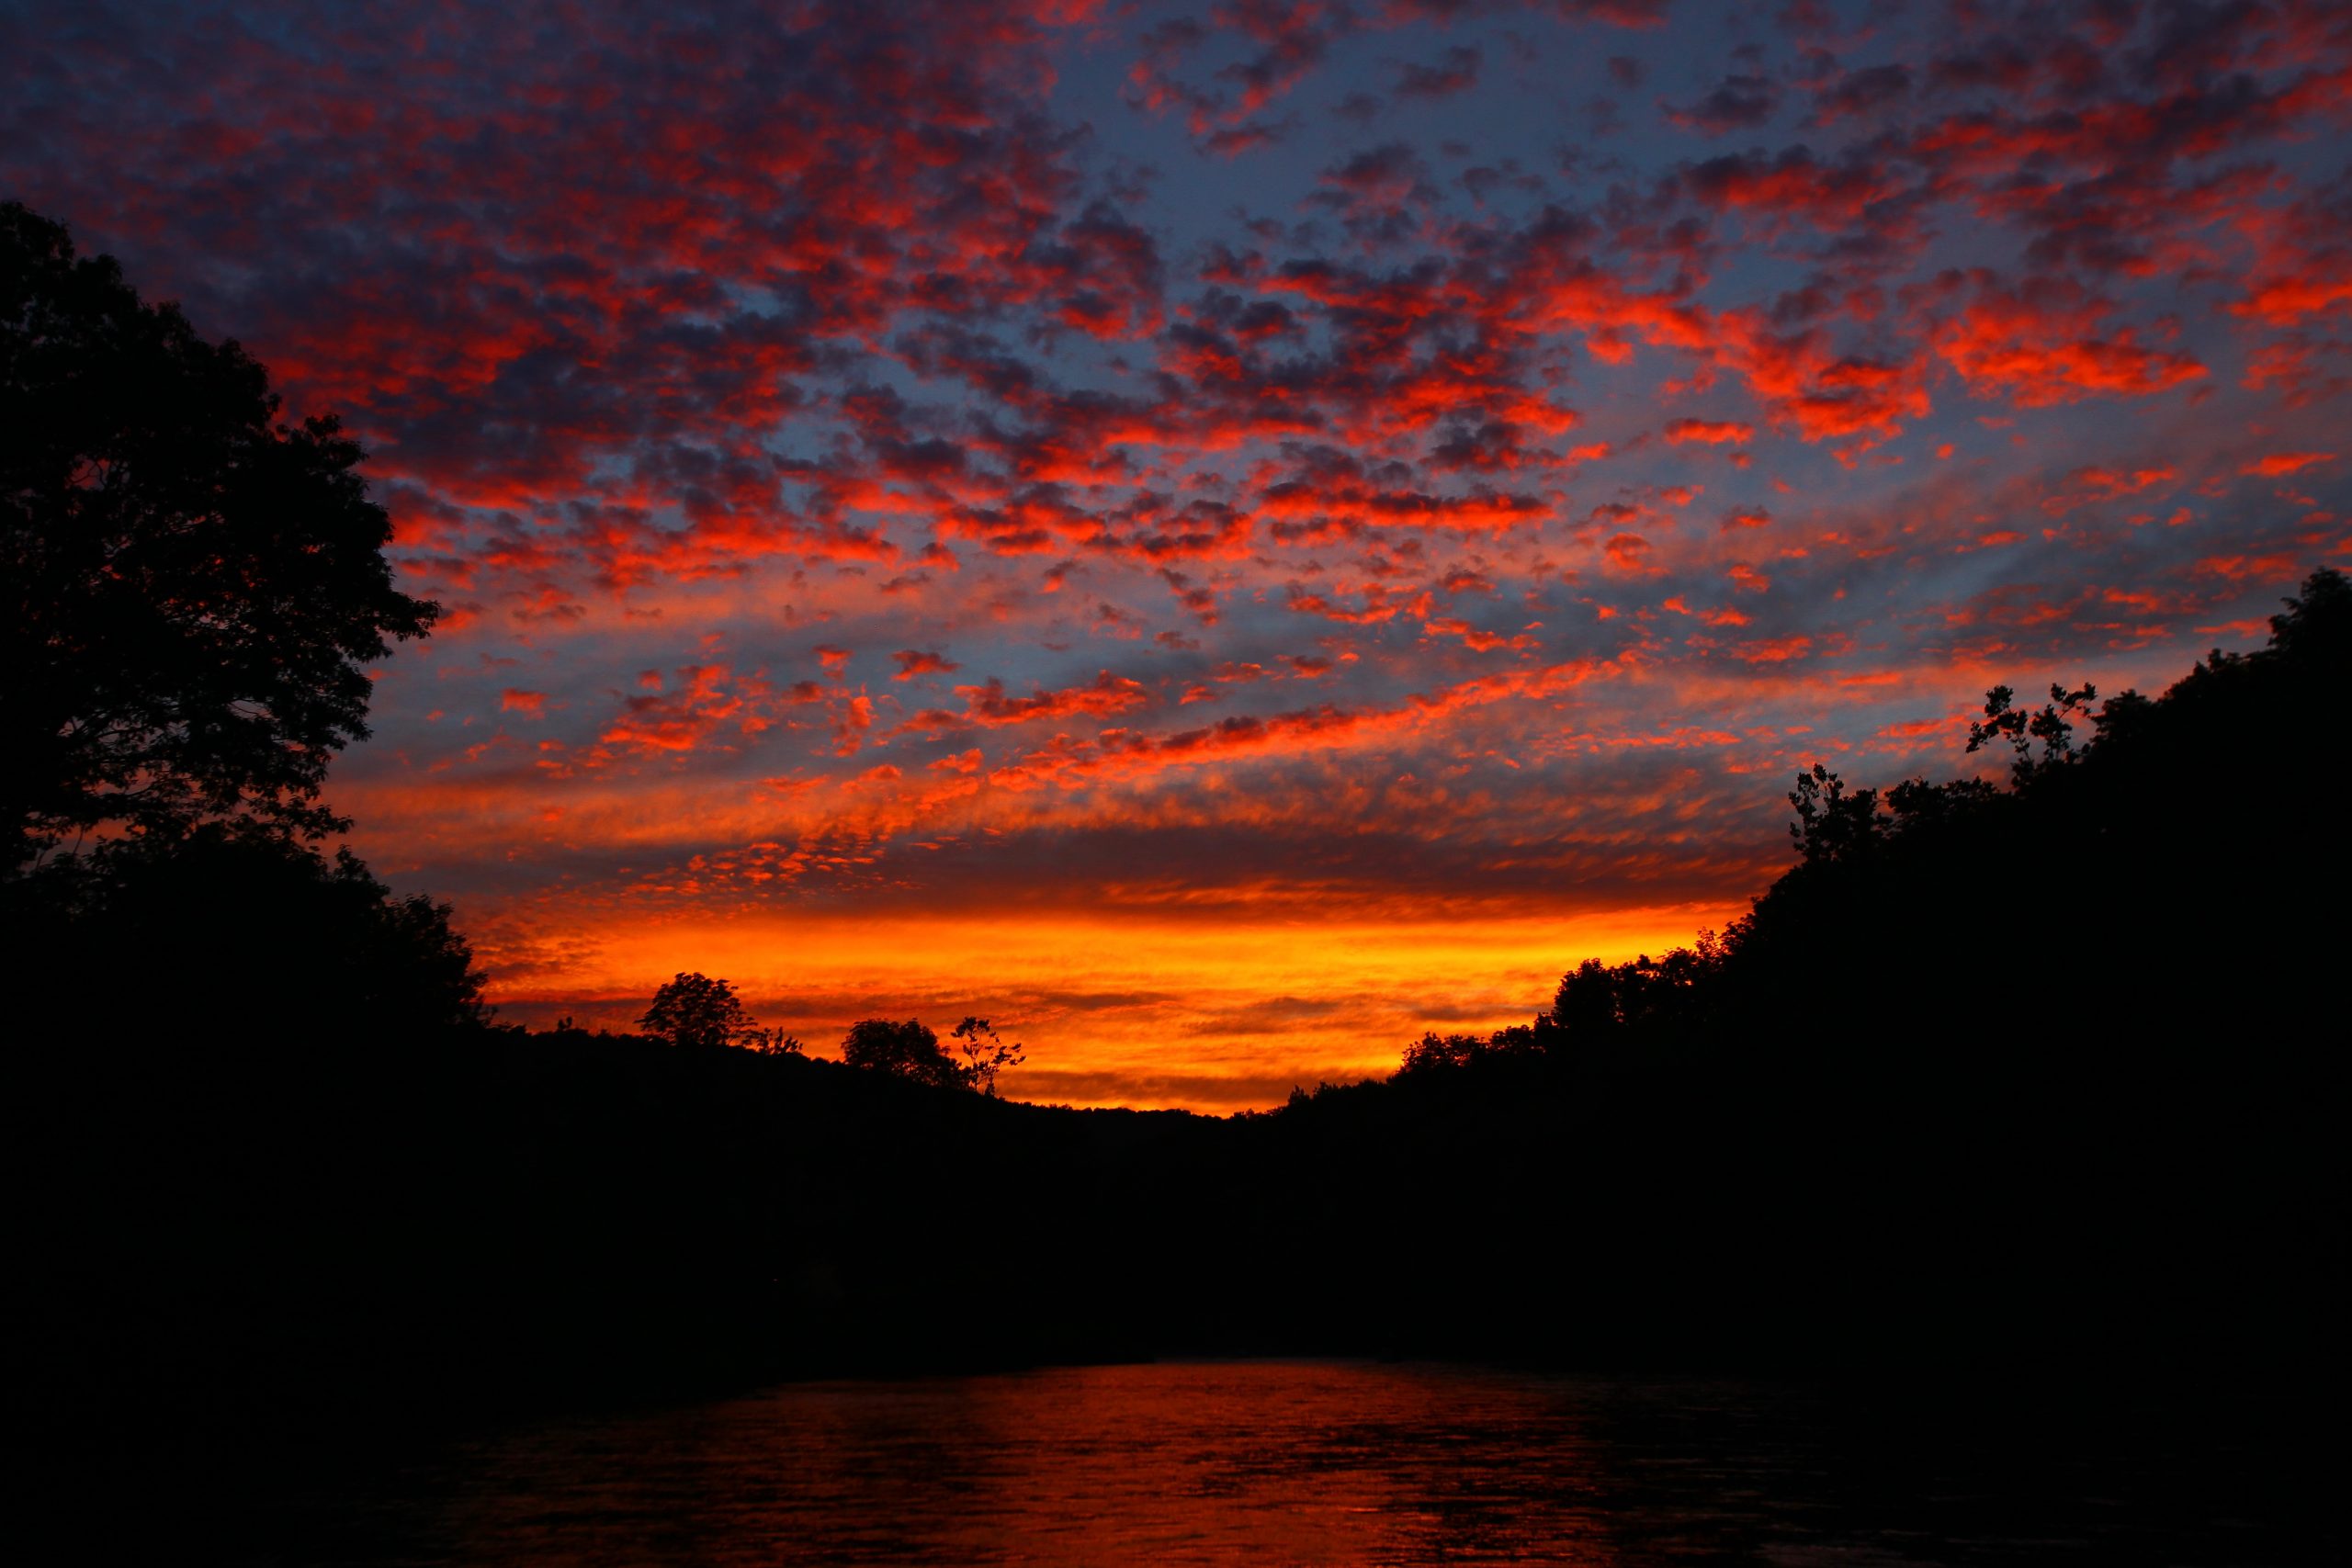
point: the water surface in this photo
(1311, 1463)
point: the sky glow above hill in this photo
(1223, 537)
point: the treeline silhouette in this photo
(2042, 1071)
(2047, 1068)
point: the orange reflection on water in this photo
(1193, 1464)
(1210, 1464)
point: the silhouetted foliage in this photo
(193, 589)
(2005, 721)
(773, 1042)
(1832, 825)
(234, 927)
(985, 1054)
(1432, 1053)
(696, 1010)
(908, 1050)
(1916, 865)
(2037, 1066)
(911, 1051)
(1596, 1000)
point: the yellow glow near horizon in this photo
(1146, 1011)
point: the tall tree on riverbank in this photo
(190, 595)
(193, 588)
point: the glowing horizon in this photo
(1194, 1014)
(1221, 537)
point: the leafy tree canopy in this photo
(234, 925)
(908, 1050)
(912, 1050)
(695, 1009)
(193, 589)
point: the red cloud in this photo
(2029, 346)
(1628, 553)
(1106, 694)
(1476, 638)
(912, 664)
(710, 699)
(2287, 462)
(851, 721)
(1712, 433)
(2094, 484)
(1774, 651)
(1793, 184)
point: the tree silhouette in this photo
(193, 589)
(908, 1050)
(985, 1056)
(912, 1050)
(1597, 1001)
(2004, 721)
(1435, 1053)
(247, 932)
(1832, 824)
(695, 1009)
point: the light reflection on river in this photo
(1272, 1462)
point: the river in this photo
(1311, 1463)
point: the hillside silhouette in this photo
(2041, 1068)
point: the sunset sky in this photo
(1224, 536)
